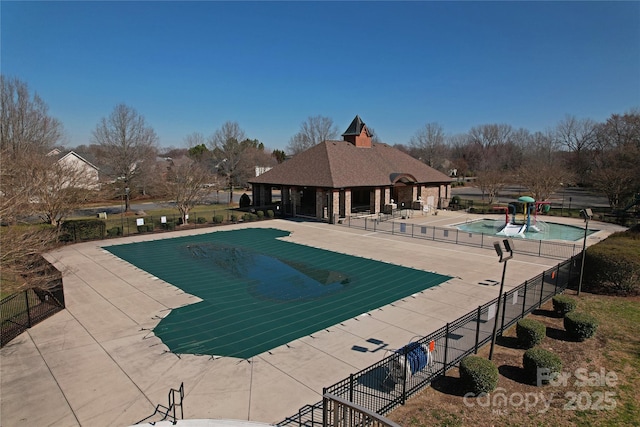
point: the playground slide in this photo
(513, 230)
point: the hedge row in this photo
(613, 265)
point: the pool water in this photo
(548, 230)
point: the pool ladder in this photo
(168, 412)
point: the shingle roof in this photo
(340, 164)
(355, 128)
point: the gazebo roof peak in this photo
(355, 128)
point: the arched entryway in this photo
(402, 190)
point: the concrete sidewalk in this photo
(98, 363)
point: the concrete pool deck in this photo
(97, 363)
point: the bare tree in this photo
(25, 124)
(186, 181)
(195, 139)
(62, 188)
(254, 157)
(226, 146)
(578, 136)
(125, 143)
(542, 171)
(21, 248)
(492, 146)
(429, 144)
(312, 132)
(491, 182)
(615, 166)
(375, 139)
(27, 133)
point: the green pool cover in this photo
(260, 292)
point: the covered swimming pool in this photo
(259, 292)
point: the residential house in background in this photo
(85, 174)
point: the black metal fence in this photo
(119, 226)
(390, 382)
(542, 248)
(24, 309)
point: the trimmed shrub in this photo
(479, 375)
(145, 228)
(169, 225)
(563, 304)
(580, 326)
(248, 217)
(201, 220)
(114, 231)
(260, 214)
(538, 358)
(270, 213)
(218, 219)
(234, 217)
(530, 332)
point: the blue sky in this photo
(191, 66)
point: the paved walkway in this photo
(98, 363)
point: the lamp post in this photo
(587, 214)
(122, 211)
(505, 256)
(122, 194)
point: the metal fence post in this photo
(555, 290)
(412, 225)
(446, 348)
(524, 298)
(541, 290)
(365, 223)
(325, 409)
(475, 350)
(539, 247)
(26, 298)
(457, 232)
(351, 388)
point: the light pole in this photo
(505, 256)
(587, 214)
(122, 211)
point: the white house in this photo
(85, 173)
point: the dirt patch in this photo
(599, 383)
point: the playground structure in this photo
(513, 227)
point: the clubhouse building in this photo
(335, 179)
